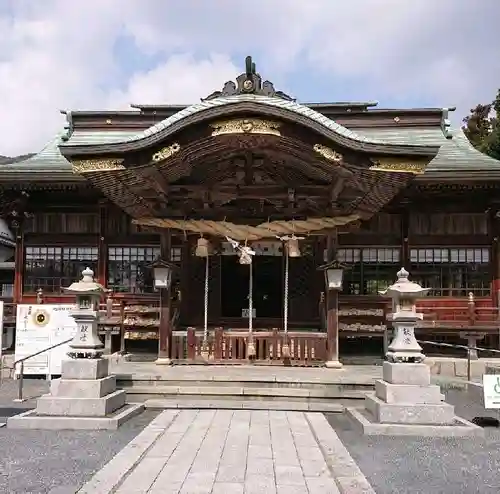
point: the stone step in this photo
(187, 402)
(240, 391)
(133, 381)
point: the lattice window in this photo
(52, 268)
(176, 254)
(129, 269)
(452, 271)
(370, 270)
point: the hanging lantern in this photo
(292, 246)
(202, 248)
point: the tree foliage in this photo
(482, 127)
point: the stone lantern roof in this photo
(86, 285)
(404, 287)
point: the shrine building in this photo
(250, 170)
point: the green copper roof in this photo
(47, 165)
(291, 106)
(456, 154)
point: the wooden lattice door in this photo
(303, 286)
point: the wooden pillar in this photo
(18, 262)
(405, 239)
(165, 328)
(332, 311)
(102, 245)
(184, 282)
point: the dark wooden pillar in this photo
(165, 328)
(102, 245)
(185, 282)
(18, 261)
(405, 240)
(332, 311)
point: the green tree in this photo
(482, 127)
(491, 144)
(477, 126)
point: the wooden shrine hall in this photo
(250, 225)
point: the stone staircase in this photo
(284, 394)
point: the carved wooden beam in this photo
(257, 190)
(154, 180)
(335, 191)
(248, 167)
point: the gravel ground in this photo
(50, 462)
(32, 389)
(413, 465)
(43, 462)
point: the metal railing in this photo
(467, 348)
(21, 361)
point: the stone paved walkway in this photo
(232, 452)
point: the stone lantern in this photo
(405, 402)
(86, 342)
(404, 294)
(85, 397)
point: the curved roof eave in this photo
(272, 106)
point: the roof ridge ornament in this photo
(249, 82)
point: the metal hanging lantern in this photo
(203, 248)
(292, 247)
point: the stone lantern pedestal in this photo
(85, 397)
(405, 402)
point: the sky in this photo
(102, 54)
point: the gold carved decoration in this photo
(396, 165)
(246, 126)
(97, 165)
(167, 152)
(328, 153)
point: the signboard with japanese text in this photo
(39, 327)
(491, 387)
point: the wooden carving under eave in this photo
(328, 153)
(395, 165)
(166, 152)
(97, 165)
(246, 126)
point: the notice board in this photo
(39, 326)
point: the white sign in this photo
(491, 386)
(246, 313)
(39, 327)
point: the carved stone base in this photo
(405, 402)
(85, 397)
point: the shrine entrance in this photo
(251, 167)
(267, 272)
